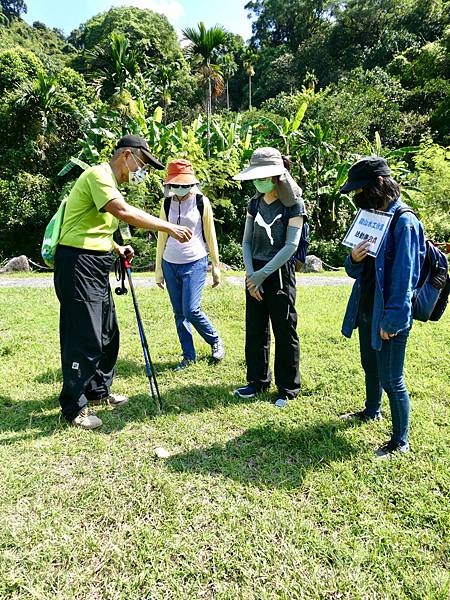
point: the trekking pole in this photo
(125, 267)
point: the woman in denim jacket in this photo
(380, 305)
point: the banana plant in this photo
(396, 159)
(288, 130)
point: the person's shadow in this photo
(28, 420)
(270, 455)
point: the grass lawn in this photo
(253, 502)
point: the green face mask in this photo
(264, 186)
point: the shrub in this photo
(433, 198)
(28, 201)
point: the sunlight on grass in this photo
(253, 502)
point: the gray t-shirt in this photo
(269, 227)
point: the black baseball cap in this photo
(364, 171)
(135, 141)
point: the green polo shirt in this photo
(86, 225)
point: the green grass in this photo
(253, 502)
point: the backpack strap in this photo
(254, 205)
(201, 210)
(401, 211)
(167, 202)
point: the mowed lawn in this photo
(253, 502)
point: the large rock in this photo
(16, 264)
(313, 264)
(223, 267)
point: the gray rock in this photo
(223, 267)
(16, 264)
(313, 264)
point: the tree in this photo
(17, 65)
(250, 58)
(166, 76)
(113, 67)
(3, 18)
(13, 8)
(43, 99)
(203, 48)
(289, 22)
(229, 68)
(149, 35)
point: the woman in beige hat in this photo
(271, 237)
(183, 267)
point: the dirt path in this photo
(47, 282)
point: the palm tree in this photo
(229, 67)
(165, 75)
(204, 44)
(250, 57)
(45, 100)
(115, 66)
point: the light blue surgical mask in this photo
(180, 190)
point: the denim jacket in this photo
(397, 271)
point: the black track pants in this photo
(89, 334)
(278, 308)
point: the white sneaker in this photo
(218, 350)
(116, 399)
(87, 420)
(111, 399)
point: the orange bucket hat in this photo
(180, 171)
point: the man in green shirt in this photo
(89, 334)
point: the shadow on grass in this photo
(270, 456)
(33, 418)
(20, 420)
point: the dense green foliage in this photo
(328, 82)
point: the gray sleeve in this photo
(247, 245)
(292, 240)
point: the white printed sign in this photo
(369, 226)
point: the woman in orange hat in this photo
(183, 267)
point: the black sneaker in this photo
(360, 415)
(247, 391)
(390, 448)
(183, 364)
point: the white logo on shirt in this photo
(267, 226)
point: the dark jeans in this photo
(185, 285)
(384, 371)
(278, 308)
(89, 334)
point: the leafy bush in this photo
(28, 202)
(16, 66)
(433, 198)
(331, 252)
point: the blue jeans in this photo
(384, 371)
(185, 285)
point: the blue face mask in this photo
(180, 190)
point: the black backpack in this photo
(302, 248)
(430, 298)
(200, 208)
